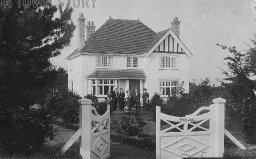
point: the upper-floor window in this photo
(104, 61)
(132, 62)
(168, 62)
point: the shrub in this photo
(92, 97)
(156, 100)
(24, 131)
(131, 124)
(101, 107)
(145, 143)
(65, 106)
(177, 106)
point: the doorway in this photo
(133, 84)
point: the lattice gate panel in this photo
(193, 135)
(178, 147)
(100, 135)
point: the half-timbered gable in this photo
(171, 43)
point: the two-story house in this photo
(127, 54)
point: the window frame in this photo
(132, 64)
(104, 61)
(102, 83)
(163, 86)
(167, 62)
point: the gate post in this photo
(85, 125)
(217, 127)
(158, 130)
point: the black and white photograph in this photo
(127, 79)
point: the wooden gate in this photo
(200, 134)
(95, 132)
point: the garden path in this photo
(118, 150)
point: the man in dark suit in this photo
(137, 99)
(145, 97)
(115, 99)
(121, 99)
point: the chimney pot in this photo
(176, 26)
(90, 29)
(81, 29)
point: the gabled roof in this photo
(156, 38)
(118, 74)
(118, 36)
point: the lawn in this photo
(122, 151)
(118, 150)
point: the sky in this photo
(204, 23)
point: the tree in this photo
(29, 37)
(241, 87)
(61, 102)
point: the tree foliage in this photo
(29, 37)
(241, 87)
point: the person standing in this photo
(121, 99)
(145, 99)
(128, 100)
(137, 99)
(115, 99)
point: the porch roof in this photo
(118, 74)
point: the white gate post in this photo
(217, 127)
(85, 125)
(158, 131)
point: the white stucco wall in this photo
(155, 74)
(84, 65)
(75, 74)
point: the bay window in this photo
(101, 87)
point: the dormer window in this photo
(132, 62)
(104, 61)
(168, 62)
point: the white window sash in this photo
(132, 62)
(164, 85)
(104, 61)
(100, 86)
(167, 62)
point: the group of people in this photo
(126, 100)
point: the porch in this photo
(101, 81)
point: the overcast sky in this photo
(204, 23)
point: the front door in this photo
(133, 84)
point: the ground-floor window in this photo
(101, 87)
(168, 87)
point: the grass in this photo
(118, 151)
(123, 151)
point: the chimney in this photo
(81, 28)
(176, 26)
(90, 29)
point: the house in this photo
(128, 54)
